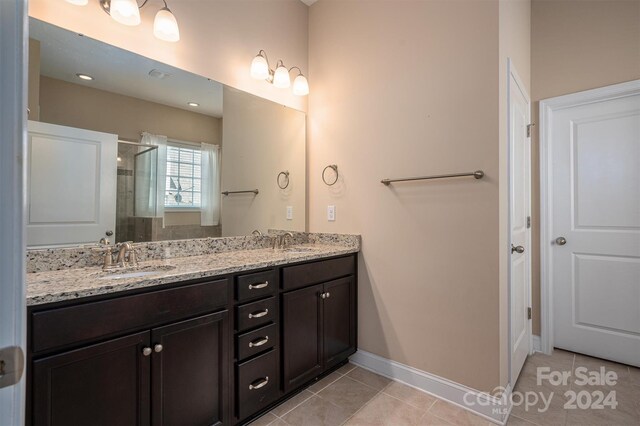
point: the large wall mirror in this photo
(129, 149)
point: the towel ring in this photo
(286, 175)
(335, 169)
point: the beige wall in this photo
(403, 88)
(84, 107)
(515, 44)
(218, 38)
(261, 139)
(577, 45)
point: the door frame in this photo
(512, 74)
(13, 117)
(547, 109)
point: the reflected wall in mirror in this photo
(129, 149)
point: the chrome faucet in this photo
(280, 241)
(126, 255)
(284, 239)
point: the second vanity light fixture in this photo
(127, 12)
(260, 70)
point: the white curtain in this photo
(210, 212)
(160, 141)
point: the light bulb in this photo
(78, 2)
(281, 77)
(300, 86)
(125, 12)
(165, 26)
(259, 68)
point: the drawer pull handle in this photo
(258, 286)
(259, 383)
(259, 342)
(259, 314)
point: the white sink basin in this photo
(143, 271)
(298, 250)
(129, 275)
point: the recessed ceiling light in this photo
(193, 104)
(84, 77)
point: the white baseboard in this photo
(491, 408)
(537, 345)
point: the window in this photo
(184, 177)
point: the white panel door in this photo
(519, 210)
(595, 171)
(71, 185)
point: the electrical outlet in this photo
(331, 213)
(289, 212)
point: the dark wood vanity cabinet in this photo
(207, 352)
(175, 373)
(319, 329)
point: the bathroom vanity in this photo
(209, 339)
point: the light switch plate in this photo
(289, 212)
(331, 213)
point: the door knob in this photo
(517, 249)
(561, 241)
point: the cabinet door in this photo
(103, 384)
(190, 366)
(302, 335)
(339, 320)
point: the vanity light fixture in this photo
(193, 104)
(127, 12)
(84, 77)
(280, 78)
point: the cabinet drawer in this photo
(252, 286)
(92, 320)
(257, 383)
(255, 314)
(317, 272)
(256, 341)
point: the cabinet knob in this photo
(146, 351)
(259, 383)
(157, 348)
(325, 295)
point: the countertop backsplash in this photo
(56, 259)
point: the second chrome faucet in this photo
(281, 241)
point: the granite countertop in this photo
(68, 284)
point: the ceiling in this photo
(64, 54)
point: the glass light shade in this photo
(300, 86)
(281, 78)
(259, 68)
(165, 26)
(125, 12)
(78, 2)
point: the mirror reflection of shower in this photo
(136, 203)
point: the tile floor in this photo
(626, 391)
(354, 396)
